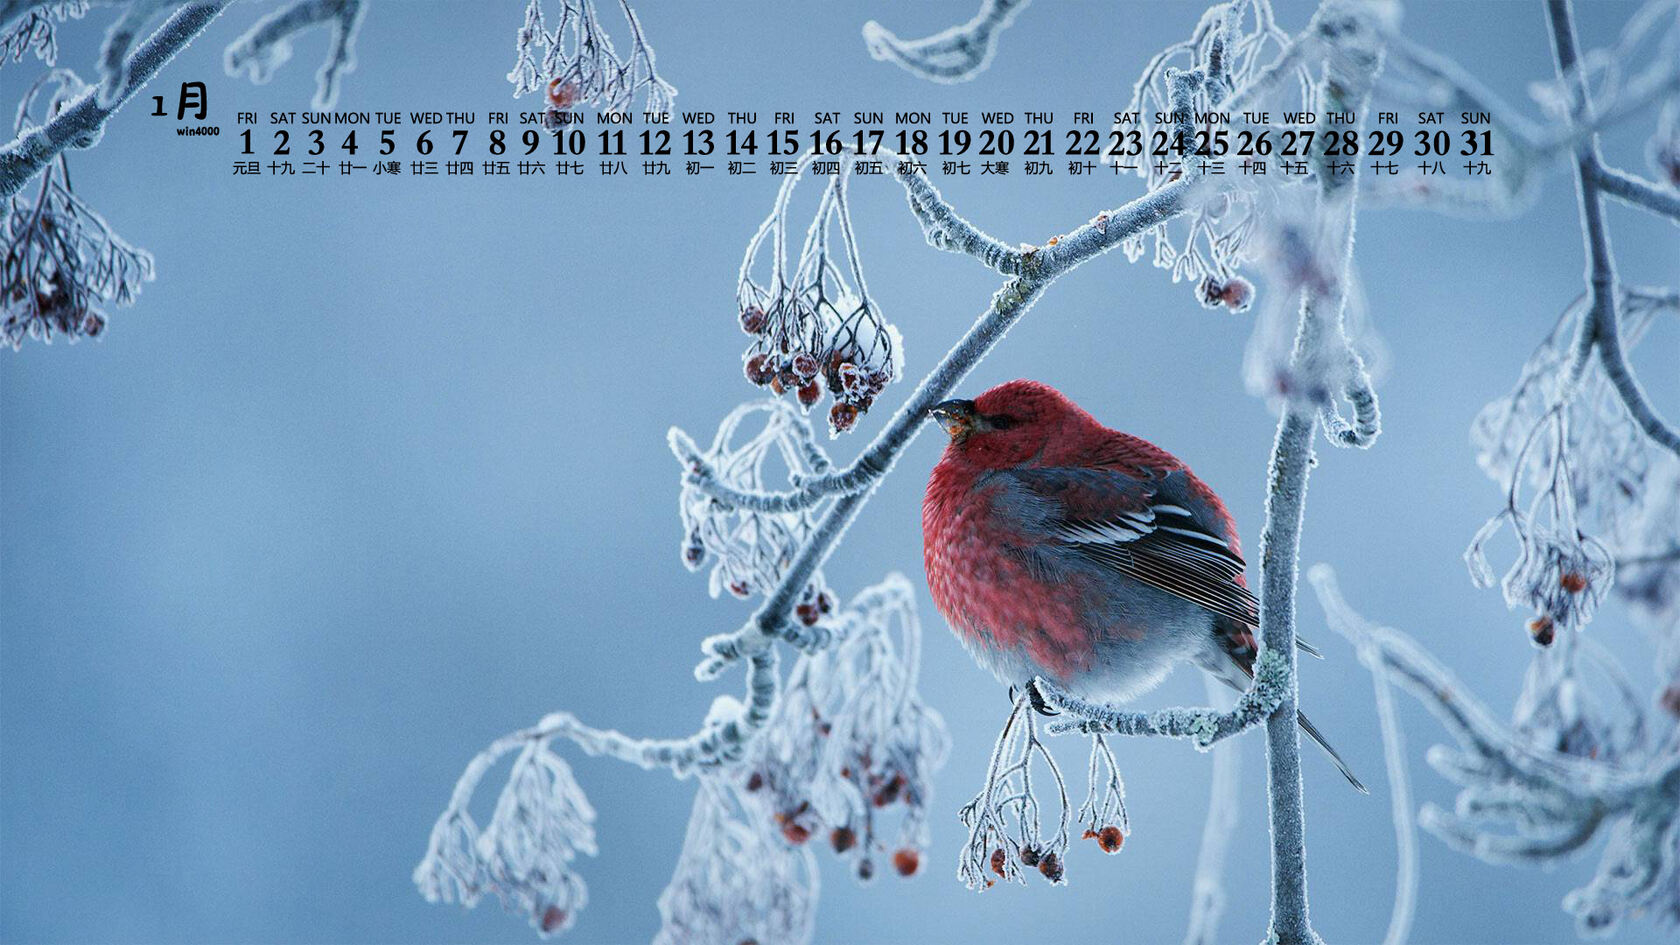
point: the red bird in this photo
(1057, 547)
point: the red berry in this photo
(562, 92)
(1051, 867)
(1237, 294)
(1110, 838)
(693, 555)
(1572, 581)
(92, 324)
(777, 385)
(842, 417)
(1542, 630)
(999, 860)
(805, 365)
(1029, 855)
(759, 370)
(889, 793)
(740, 588)
(907, 861)
(795, 832)
(851, 379)
(755, 781)
(842, 839)
(809, 393)
(552, 918)
(753, 320)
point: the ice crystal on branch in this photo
(62, 262)
(36, 32)
(748, 548)
(734, 881)
(813, 324)
(541, 823)
(851, 742)
(574, 65)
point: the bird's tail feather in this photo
(1314, 734)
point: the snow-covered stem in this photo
(953, 55)
(1635, 191)
(1207, 890)
(1602, 327)
(268, 44)
(1350, 67)
(1203, 726)
(1350, 625)
(80, 124)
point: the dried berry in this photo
(1051, 867)
(795, 832)
(694, 554)
(753, 320)
(999, 860)
(759, 369)
(825, 603)
(755, 781)
(552, 919)
(890, 791)
(907, 861)
(1237, 294)
(562, 93)
(807, 614)
(842, 839)
(1029, 855)
(842, 417)
(1573, 581)
(92, 324)
(740, 588)
(805, 365)
(1542, 630)
(851, 379)
(809, 394)
(1110, 838)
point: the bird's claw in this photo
(1035, 695)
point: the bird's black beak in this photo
(956, 416)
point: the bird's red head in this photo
(1012, 424)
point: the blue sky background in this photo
(376, 471)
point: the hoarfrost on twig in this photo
(267, 45)
(949, 56)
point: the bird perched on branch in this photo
(1057, 547)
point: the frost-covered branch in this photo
(1557, 803)
(1203, 726)
(1603, 325)
(575, 64)
(267, 45)
(1207, 890)
(953, 55)
(1636, 191)
(1350, 67)
(81, 123)
(31, 26)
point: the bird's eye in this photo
(1001, 421)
